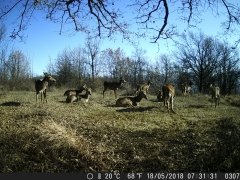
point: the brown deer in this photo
(143, 87)
(168, 91)
(215, 93)
(71, 98)
(113, 86)
(41, 86)
(77, 97)
(131, 101)
(186, 89)
(75, 91)
(86, 95)
(160, 96)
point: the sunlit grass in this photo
(97, 136)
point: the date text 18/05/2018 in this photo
(194, 176)
(180, 176)
(164, 176)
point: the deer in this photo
(77, 97)
(186, 89)
(113, 86)
(215, 93)
(131, 101)
(86, 95)
(75, 91)
(71, 98)
(159, 96)
(168, 93)
(41, 86)
(143, 87)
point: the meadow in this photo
(99, 137)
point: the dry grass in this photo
(97, 136)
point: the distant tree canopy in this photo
(107, 17)
(199, 59)
(207, 61)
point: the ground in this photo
(97, 136)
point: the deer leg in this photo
(41, 96)
(103, 92)
(172, 103)
(168, 104)
(115, 94)
(45, 95)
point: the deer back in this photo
(113, 85)
(124, 102)
(168, 90)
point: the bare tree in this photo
(106, 17)
(18, 66)
(228, 72)
(165, 67)
(3, 54)
(117, 64)
(92, 51)
(199, 54)
(139, 66)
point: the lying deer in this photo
(77, 97)
(113, 86)
(131, 101)
(71, 98)
(41, 86)
(215, 93)
(168, 93)
(75, 91)
(143, 87)
(86, 95)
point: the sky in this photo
(42, 41)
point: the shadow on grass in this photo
(11, 103)
(161, 149)
(197, 106)
(136, 109)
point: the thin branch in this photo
(165, 21)
(71, 16)
(20, 27)
(230, 15)
(11, 8)
(190, 10)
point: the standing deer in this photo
(159, 96)
(131, 101)
(215, 93)
(113, 86)
(168, 91)
(41, 86)
(186, 89)
(75, 91)
(143, 87)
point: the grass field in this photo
(96, 136)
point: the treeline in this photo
(199, 59)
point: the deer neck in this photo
(137, 98)
(85, 96)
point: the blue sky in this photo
(43, 41)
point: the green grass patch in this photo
(97, 136)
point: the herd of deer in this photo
(166, 94)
